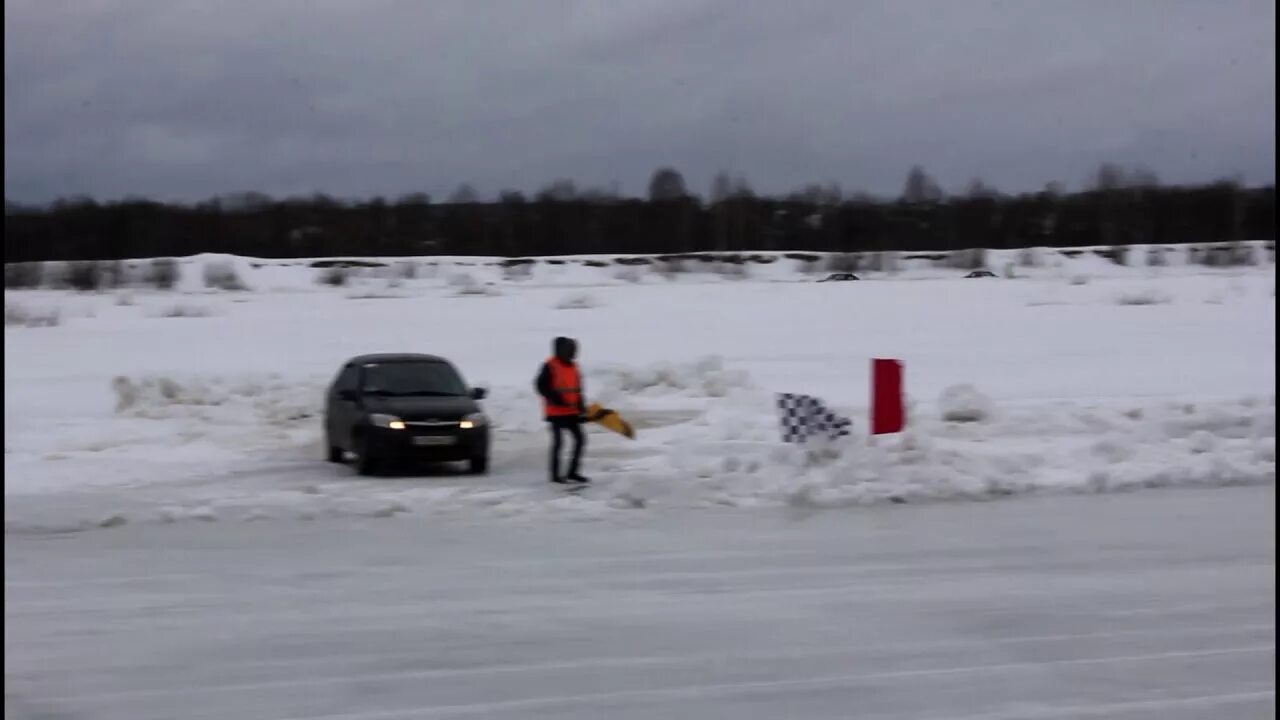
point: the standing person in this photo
(560, 385)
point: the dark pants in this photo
(559, 426)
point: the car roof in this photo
(394, 358)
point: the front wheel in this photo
(366, 464)
(479, 465)
(336, 455)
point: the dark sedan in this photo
(400, 407)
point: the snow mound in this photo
(1143, 296)
(184, 310)
(706, 377)
(578, 301)
(17, 314)
(725, 454)
(466, 285)
(268, 399)
(1202, 442)
(391, 293)
(732, 456)
(223, 273)
(462, 280)
(964, 404)
(1188, 420)
(629, 275)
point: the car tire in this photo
(366, 464)
(336, 454)
(479, 465)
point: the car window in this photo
(412, 378)
(347, 379)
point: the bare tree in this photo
(721, 187)
(246, 201)
(1109, 176)
(667, 184)
(979, 190)
(818, 194)
(1143, 177)
(730, 187)
(597, 194)
(464, 195)
(834, 193)
(561, 190)
(920, 188)
(414, 199)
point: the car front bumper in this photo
(443, 444)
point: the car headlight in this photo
(474, 420)
(390, 422)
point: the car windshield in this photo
(412, 378)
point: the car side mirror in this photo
(479, 393)
(348, 395)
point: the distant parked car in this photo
(980, 274)
(840, 277)
(398, 407)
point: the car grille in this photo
(432, 427)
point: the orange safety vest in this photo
(566, 381)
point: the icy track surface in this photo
(1143, 606)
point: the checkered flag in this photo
(804, 416)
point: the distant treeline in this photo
(1119, 208)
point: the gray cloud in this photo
(184, 99)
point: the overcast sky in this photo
(186, 99)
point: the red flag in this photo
(888, 409)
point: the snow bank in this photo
(629, 274)
(708, 438)
(391, 293)
(1143, 296)
(964, 404)
(183, 310)
(465, 285)
(22, 315)
(738, 460)
(267, 399)
(705, 378)
(578, 301)
(223, 274)
(217, 272)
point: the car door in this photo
(344, 411)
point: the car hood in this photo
(422, 408)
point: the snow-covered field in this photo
(220, 568)
(1083, 376)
